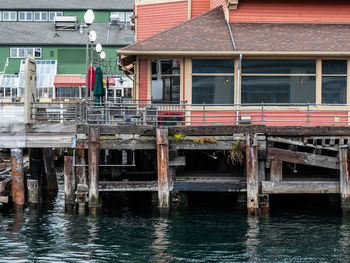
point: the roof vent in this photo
(66, 22)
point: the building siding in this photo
(143, 79)
(288, 11)
(216, 3)
(155, 18)
(199, 6)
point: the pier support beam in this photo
(252, 174)
(17, 179)
(33, 193)
(69, 183)
(94, 160)
(344, 179)
(50, 170)
(80, 168)
(164, 177)
(276, 170)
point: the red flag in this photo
(91, 79)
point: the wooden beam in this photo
(69, 182)
(94, 161)
(178, 161)
(300, 187)
(33, 193)
(50, 172)
(252, 174)
(303, 158)
(276, 171)
(128, 186)
(17, 174)
(307, 131)
(344, 179)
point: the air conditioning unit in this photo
(114, 18)
(66, 22)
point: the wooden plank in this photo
(276, 171)
(300, 187)
(33, 193)
(128, 186)
(178, 161)
(307, 131)
(69, 182)
(51, 127)
(216, 130)
(94, 160)
(303, 158)
(301, 143)
(252, 174)
(129, 144)
(119, 129)
(209, 187)
(344, 179)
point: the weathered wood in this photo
(128, 186)
(94, 160)
(17, 174)
(163, 170)
(216, 130)
(303, 158)
(35, 163)
(119, 129)
(69, 182)
(307, 131)
(209, 186)
(301, 143)
(80, 170)
(344, 179)
(276, 171)
(178, 161)
(5, 186)
(300, 187)
(50, 172)
(252, 174)
(33, 193)
(264, 204)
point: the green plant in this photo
(237, 154)
(204, 140)
(178, 136)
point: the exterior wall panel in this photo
(154, 18)
(288, 11)
(199, 7)
(143, 79)
(216, 3)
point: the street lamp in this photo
(89, 18)
(103, 55)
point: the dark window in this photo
(334, 81)
(166, 80)
(213, 66)
(213, 89)
(278, 89)
(253, 66)
(334, 66)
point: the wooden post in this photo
(80, 168)
(252, 174)
(276, 170)
(94, 160)
(344, 179)
(33, 193)
(163, 170)
(50, 170)
(36, 163)
(17, 178)
(69, 183)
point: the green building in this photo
(54, 32)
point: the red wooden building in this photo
(254, 61)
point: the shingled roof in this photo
(209, 33)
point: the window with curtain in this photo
(213, 81)
(334, 74)
(278, 81)
(166, 80)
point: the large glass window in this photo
(22, 52)
(213, 81)
(166, 80)
(40, 16)
(25, 16)
(53, 14)
(9, 16)
(334, 74)
(278, 81)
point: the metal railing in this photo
(144, 112)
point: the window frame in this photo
(55, 14)
(41, 15)
(25, 16)
(25, 52)
(9, 13)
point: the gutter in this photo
(231, 36)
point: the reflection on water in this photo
(195, 235)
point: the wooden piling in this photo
(69, 183)
(276, 170)
(33, 193)
(80, 168)
(17, 179)
(94, 159)
(252, 174)
(50, 173)
(344, 179)
(163, 170)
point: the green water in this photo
(195, 235)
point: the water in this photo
(195, 235)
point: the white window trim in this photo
(9, 15)
(25, 52)
(58, 12)
(41, 14)
(0, 15)
(25, 16)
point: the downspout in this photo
(238, 77)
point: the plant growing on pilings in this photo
(237, 153)
(179, 136)
(204, 140)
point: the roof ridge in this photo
(178, 25)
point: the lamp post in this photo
(98, 50)
(92, 38)
(89, 18)
(103, 56)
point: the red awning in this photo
(74, 81)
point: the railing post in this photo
(308, 114)
(203, 113)
(262, 112)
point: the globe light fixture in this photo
(89, 17)
(102, 55)
(98, 47)
(92, 36)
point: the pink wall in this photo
(143, 79)
(199, 7)
(216, 3)
(291, 11)
(154, 18)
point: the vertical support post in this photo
(17, 178)
(33, 193)
(252, 174)
(308, 114)
(94, 160)
(203, 113)
(276, 171)
(36, 164)
(80, 162)
(69, 182)
(262, 112)
(50, 170)
(163, 170)
(344, 179)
